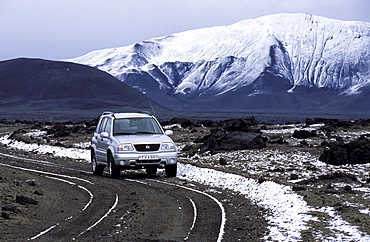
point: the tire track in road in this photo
(223, 214)
(46, 172)
(67, 227)
(55, 176)
(194, 218)
(97, 222)
(70, 217)
(207, 222)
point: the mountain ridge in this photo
(43, 86)
(276, 59)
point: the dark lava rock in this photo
(59, 130)
(11, 208)
(330, 122)
(261, 180)
(185, 123)
(303, 134)
(336, 123)
(25, 200)
(5, 215)
(240, 124)
(223, 161)
(207, 123)
(298, 188)
(355, 152)
(293, 177)
(220, 139)
(38, 193)
(31, 182)
(339, 176)
(190, 150)
(347, 188)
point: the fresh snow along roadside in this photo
(289, 213)
(75, 153)
(288, 210)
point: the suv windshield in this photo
(127, 126)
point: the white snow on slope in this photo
(288, 215)
(310, 50)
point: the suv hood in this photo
(143, 138)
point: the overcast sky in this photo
(62, 29)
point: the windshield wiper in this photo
(124, 133)
(145, 132)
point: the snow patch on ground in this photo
(78, 154)
(287, 208)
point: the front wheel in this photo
(171, 170)
(96, 169)
(112, 167)
(151, 170)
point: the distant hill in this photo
(44, 86)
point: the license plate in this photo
(148, 157)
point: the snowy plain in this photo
(289, 215)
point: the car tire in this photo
(171, 170)
(114, 172)
(151, 170)
(96, 169)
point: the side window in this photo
(108, 126)
(102, 125)
(98, 126)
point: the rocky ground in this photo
(324, 160)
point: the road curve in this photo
(130, 208)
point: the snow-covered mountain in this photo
(283, 62)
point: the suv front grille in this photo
(147, 161)
(147, 147)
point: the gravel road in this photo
(69, 203)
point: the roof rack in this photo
(145, 112)
(107, 112)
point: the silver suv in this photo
(132, 141)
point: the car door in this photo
(105, 139)
(100, 153)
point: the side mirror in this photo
(168, 132)
(104, 135)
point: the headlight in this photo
(168, 146)
(125, 147)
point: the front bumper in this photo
(137, 160)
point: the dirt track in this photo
(133, 208)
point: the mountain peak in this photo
(279, 54)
